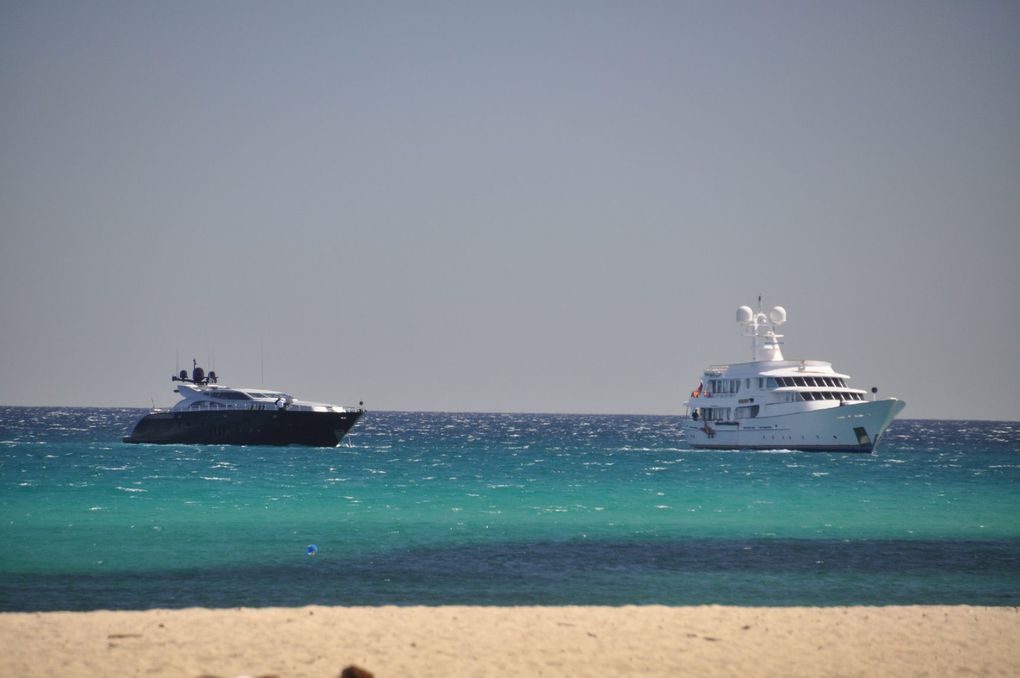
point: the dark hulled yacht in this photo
(219, 415)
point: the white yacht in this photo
(774, 403)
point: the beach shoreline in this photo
(470, 641)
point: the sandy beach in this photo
(552, 641)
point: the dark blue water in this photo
(502, 509)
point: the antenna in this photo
(262, 364)
(761, 328)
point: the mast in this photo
(765, 342)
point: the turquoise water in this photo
(437, 508)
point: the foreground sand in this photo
(549, 641)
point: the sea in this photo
(431, 508)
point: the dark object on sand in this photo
(353, 671)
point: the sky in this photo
(507, 206)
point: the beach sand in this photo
(498, 641)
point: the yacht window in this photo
(229, 395)
(747, 412)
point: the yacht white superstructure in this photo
(774, 403)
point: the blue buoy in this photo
(312, 549)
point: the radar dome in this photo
(778, 315)
(744, 314)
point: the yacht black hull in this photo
(245, 427)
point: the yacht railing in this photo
(255, 406)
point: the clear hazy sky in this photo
(507, 206)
